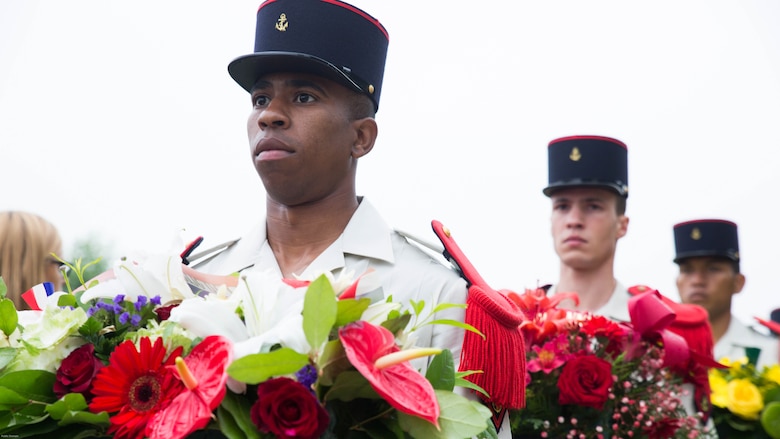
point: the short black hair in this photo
(620, 205)
(360, 106)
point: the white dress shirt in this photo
(739, 336)
(406, 272)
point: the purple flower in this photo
(156, 300)
(140, 302)
(124, 317)
(135, 319)
(119, 298)
(307, 375)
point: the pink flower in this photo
(548, 357)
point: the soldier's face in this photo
(301, 137)
(586, 226)
(709, 282)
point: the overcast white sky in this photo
(119, 118)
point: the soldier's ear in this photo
(739, 282)
(622, 226)
(366, 131)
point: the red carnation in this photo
(585, 381)
(287, 409)
(77, 371)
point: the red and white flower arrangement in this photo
(144, 355)
(593, 378)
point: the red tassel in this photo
(500, 355)
(497, 353)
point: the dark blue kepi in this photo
(596, 161)
(325, 37)
(706, 237)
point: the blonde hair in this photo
(26, 244)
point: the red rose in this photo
(77, 371)
(164, 312)
(585, 381)
(288, 409)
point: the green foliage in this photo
(85, 249)
(319, 311)
(256, 368)
(8, 317)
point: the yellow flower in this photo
(718, 386)
(745, 399)
(772, 373)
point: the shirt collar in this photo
(366, 236)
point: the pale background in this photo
(119, 119)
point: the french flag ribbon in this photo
(36, 296)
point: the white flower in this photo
(144, 275)
(272, 313)
(47, 337)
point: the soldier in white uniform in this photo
(707, 253)
(315, 79)
(588, 187)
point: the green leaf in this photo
(465, 326)
(350, 310)
(332, 362)
(350, 385)
(417, 306)
(6, 356)
(73, 409)
(466, 384)
(770, 419)
(256, 368)
(459, 418)
(237, 407)
(443, 306)
(441, 371)
(397, 324)
(3, 288)
(10, 399)
(67, 300)
(227, 424)
(36, 385)
(91, 327)
(319, 311)
(8, 316)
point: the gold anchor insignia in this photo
(696, 234)
(575, 155)
(281, 23)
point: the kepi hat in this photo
(587, 161)
(706, 237)
(329, 38)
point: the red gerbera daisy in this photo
(135, 385)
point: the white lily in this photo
(143, 275)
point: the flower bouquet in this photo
(591, 377)
(141, 353)
(746, 401)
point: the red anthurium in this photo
(204, 374)
(296, 283)
(399, 384)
